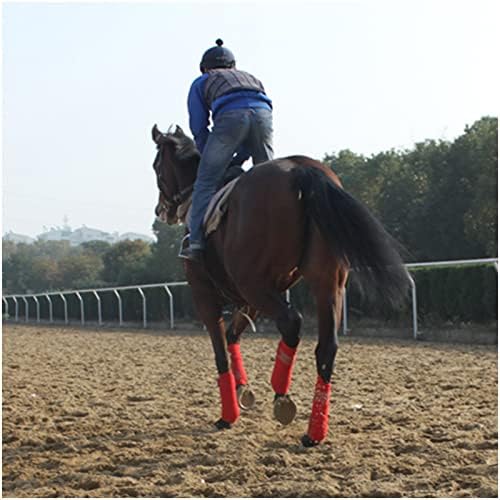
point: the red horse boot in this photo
(281, 379)
(318, 422)
(246, 397)
(230, 408)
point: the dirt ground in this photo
(90, 413)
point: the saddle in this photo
(217, 207)
(218, 204)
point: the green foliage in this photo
(16, 266)
(438, 199)
(78, 271)
(165, 264)
(125, 262)
(95, 247)
(457, 294)
(478, 148)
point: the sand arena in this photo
(91, 413)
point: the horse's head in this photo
(175, 166)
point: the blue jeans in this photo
(251, 128)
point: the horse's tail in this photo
(354, 235)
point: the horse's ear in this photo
(157, 135)
(179, 132)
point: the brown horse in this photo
(287, 219)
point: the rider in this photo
(241, 113)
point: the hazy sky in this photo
(84, 83)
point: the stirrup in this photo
(180, 254)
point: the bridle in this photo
(181, 196)
(178, 199)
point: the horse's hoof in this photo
(222, 424)
(307, 442)
(284, 409)
(246, 397)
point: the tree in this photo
(44, 274)
(79, 271)
(125, 263)
(438, 199)
(479, 145)
(17, 269)
(95, 247)
(165, 264)
(411, 199)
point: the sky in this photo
(83, 84)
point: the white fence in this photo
(50, 296)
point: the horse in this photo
(287, 219)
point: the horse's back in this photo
(265, 228)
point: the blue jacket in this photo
(199, 112)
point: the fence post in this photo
(171, 301)
(37, 308)
(16, 307)
(6, 306)
(51, 318)
(144, 308)
(414, 306)
(27, 308)
(82, 311)
(66, 321)
(344, 312)
(120, 310)
(99, 312)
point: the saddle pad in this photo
(217, 207)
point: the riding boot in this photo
(193, 254)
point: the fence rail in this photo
(94, 291)
(50, 296)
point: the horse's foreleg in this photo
(246, 398)
(226, 381)
(210, 312)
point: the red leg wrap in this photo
(237, 364)
(230, 408)
(283, 366)
(318, 423)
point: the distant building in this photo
(56, 234)
(84, 234)
(78, 236)
(18, 238)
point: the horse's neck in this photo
(186, 176)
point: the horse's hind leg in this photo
(328, 288)
(288, 322)
(246, 397)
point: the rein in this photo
(182, 195)
(181, 200)
(183, 208)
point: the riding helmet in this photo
(217, 57)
